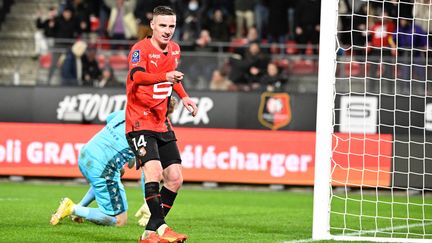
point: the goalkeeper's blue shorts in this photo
(104, 178)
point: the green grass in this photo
(210, 215)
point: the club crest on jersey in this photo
(142, 151)
(274, 110)
(135, 56)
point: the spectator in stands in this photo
(108, 79)
(202, 44)
(272, 80)
(220, 82)
(246, 73)
(381, 34)
(218, 26)
(194, 13)
(72, 65)
(422, 13)
(204, 64)
(278, 20)
(65, 28)
(261, 18)
(251, 37)
(91, 71)
(122, 23)
(45, 25)
(360, 35)
(410, 42)
(308, 23)
(244, 12)
(82, 15)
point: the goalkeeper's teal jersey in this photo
(109, 146)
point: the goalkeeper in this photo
(104, 177)
(101, 162)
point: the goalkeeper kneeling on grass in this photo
(101, 162)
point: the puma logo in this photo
(153, 62)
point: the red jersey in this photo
(382, 32)
(147, 90)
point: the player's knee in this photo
(174, 181)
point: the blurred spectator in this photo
(272, 80)
(218, 26)
(219, 81)
(278, 20)
(72, 65)
(379, 55)
(194, 13)
(246, 72)
(244, 12)
(359, 33)
(82, 15)
(226, 6)
(99, 10)
(202, 44)
(91, 72)
(122, 23)
(422, 13)
(261, 18)
(45, 24)
(65, 28)
(108, 79)
(144, 14)
(411, 44)
(203, 63)
(251, 37)
(308, 23)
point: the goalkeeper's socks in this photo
(94, 215)
(153, 199)
(88, 198)
(167, 197)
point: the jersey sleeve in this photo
(178, 88)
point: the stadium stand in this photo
(24, 64)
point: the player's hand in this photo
(190, 105)
(144, 213)
(174, 76)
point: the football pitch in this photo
(211, 215)
(205, 215)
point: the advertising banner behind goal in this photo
(214, 155)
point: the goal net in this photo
(373, 167)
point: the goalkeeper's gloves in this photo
(144, 213)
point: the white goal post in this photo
(373, 155)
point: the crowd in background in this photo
(199, 23)
(393, 40)
(249, 23)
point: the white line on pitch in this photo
(367, 231)
(11, 199)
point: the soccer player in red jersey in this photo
(152, 77)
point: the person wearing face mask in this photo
(193, 16)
